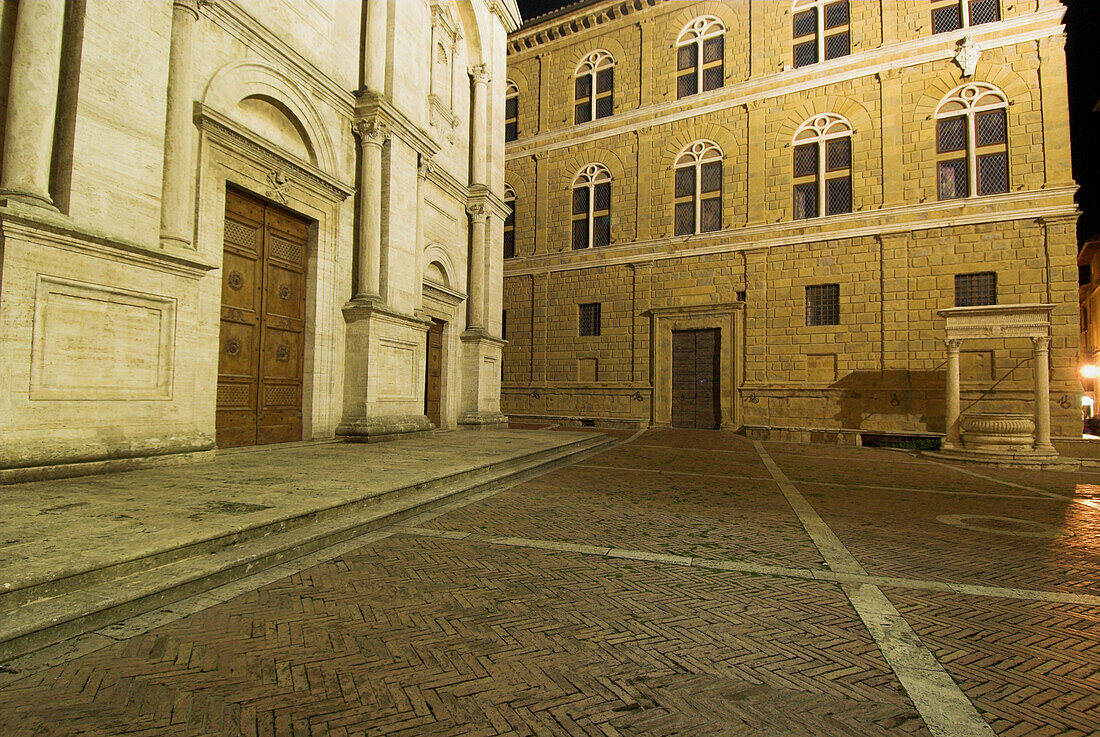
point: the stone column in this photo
(475, 292)
(951, 416)
(32, 102)
(1041, 359)
(478, 126)
(374, 47)
(176, 205)
(372, 134)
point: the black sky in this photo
(1083, 65)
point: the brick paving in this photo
(418, 633)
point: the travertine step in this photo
(48, 611)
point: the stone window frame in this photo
(698, 38)
(511, 111)
(510, 222)
(971, 103)
(589, 187)
(964, 17)
(595, 67)
(824, 39)
(589, 319)
(821, 136)
(697, 155)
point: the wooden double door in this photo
(433, 382)
(262, 334)
(695, 390)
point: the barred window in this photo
(504, 324)
(700, 56)
(972, 142)
(951, 15)
(821, 31)
(593, 87)
(510, 223)
(698, 189)
(589, 315)
(823, 166)
(511, 111)
(976, 289)
(822, 304)
(592, 207)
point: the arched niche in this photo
(270, 119)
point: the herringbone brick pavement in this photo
(1032, 667)
(711, 517)
(426, 636)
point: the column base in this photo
(174, 241)
(9, 198)
(483, 420)
(379, 429)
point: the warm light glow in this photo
(1089, 371)
(1087, 402)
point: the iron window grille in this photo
(951, 15)
(700, 56)
(976, 289)
(511, 111)
(821, 31)
(589, 319)
(698, 189)
(592, 207)
(510, 223)
(822, 304)
(504, 324)
(823, 166)
(593, 87)
(972, 142)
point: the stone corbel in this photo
(967, 55)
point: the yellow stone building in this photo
(747, 214)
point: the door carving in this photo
(262, 337)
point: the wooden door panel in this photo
(695, 391)
(706, 379)
(284, 292)
(282, 358)
(433, 386)
(683, 379)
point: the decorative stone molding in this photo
(556, 24)
(998, 431)
(480, 74)
(371, 106)
(967, 55)
(997, 321)
(371, 131)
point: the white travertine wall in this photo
(110, 318)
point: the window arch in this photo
(821, 30)
(823, 166)
(700, 56)
(511, 111)
(951, 15)
(592, 207)
(698, 191)
(972, 142)
(593, 87)
(510, 223)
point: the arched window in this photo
(700, 52)
(821, 31)
(593, 85)
(951, 15)
(698, 193)
(511, 111)
(510, 223)
(592, 207)
(972, 142)
(823, 166)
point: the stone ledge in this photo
(377, 429)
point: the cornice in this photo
(870, 63)
(507, 12)
(231, 17)
(221, 128)
(481, 196)
(1027, 205)
(553, 28)
(372, 105)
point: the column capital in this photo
(478, 211)
(371, 131)
(884, 75)
(480, 73)
(425, 167)
(1041, 343)
(953, 345)
(191, 7)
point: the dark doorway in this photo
(261, 342)
(433, 383)
(695, 393)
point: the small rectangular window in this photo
(604, 81)
(712, 78)
(836, 14)
(711, 176)
(710, 215)
(951, 179)
(604, 107)
(583, 112)
(601, 230)
(838, 154)
(580, 234)
(686, 57)
(838, 195)
(805, 160)
(984, 11)
(504, 324)
(822, 304)
(589, 318)
(686, 85)
(951, 134)
(805, 200)
(805, 53)
(713, 49)
(685, 181)
(947, 18)
(976, 289)
(580, 200)
(991, 127)
(511, 131)
(509, 244)
(993, 173)
(805, 23)
(837, 45)
(685, 218)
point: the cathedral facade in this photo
(236, 222)
(748, 215)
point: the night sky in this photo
(1083, 63)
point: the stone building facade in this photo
(747, 214)
(229, 222)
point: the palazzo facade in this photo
(746, 215)
(234, 222)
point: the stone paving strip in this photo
(738, 566)
(1025, 487)
(942, 704)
